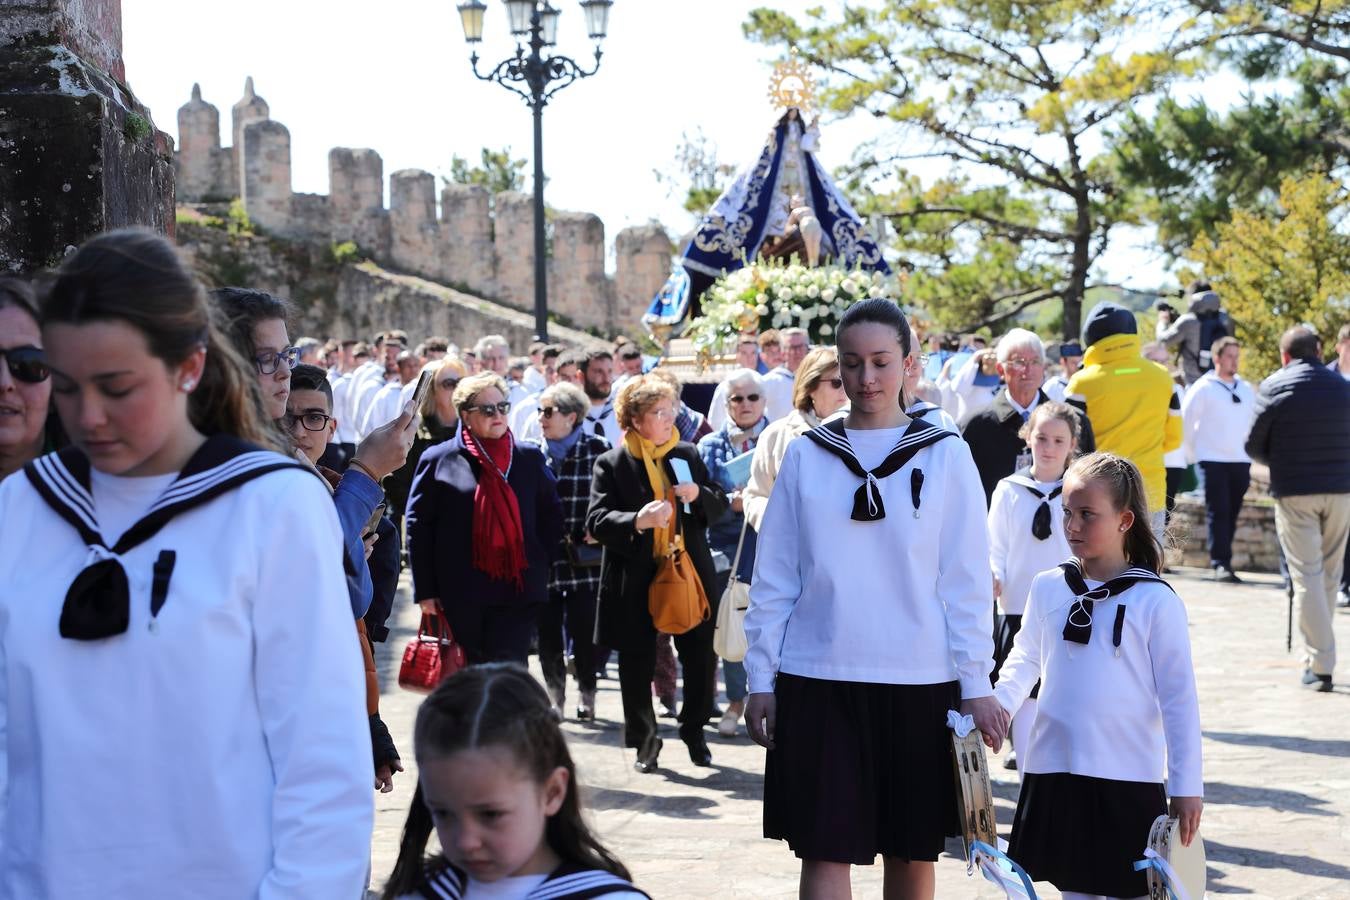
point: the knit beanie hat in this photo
(1106, 320)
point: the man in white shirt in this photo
(388, 401)
(494, 354)
(597, 380)
(1217, 414)
(779, 383)
(535, 378)
(747, 357)
(1071, 359)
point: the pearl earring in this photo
(189, 385)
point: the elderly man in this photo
(778, 383)
(992, 431)
(1129, 400)
(1302, 432)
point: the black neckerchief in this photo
(1078, 626)
(867, 505)
(567, 882)
(1040, 522)
(98, 601)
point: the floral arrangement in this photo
(777, 295)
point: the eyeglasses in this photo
(449, 383)
(269, 362)
(747, 398)
(835, 383)
(1018, 364)
(491, 409)
(27, 364)
(312, 421)
(662, 413)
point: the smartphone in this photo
(420, 392)
(374, 521)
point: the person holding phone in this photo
(631, 516)
(484, 522)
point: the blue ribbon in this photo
(1165, 873)
(1003, 858)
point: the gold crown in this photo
(792, 85)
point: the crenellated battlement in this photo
(469, 239)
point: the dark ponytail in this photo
(882, 312)
(496, 705)
(136, 277)
(1125, 486)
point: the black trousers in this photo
(1173, 487)
(636, 668)
(1225, 485)
(493, 633)
(572, 612)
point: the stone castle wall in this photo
(480, 243)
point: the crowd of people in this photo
(189, 492)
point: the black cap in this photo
(1072, 348)
(1106, 320)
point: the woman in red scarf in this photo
(484, 522)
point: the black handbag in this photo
(583, 555)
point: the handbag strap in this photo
(442, 627)
(736, 563)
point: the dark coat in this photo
(1302, 430)
(992, 435)
(574, 489)
(440, 526)
(619, 489)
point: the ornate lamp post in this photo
(536, 77)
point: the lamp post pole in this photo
(536, 77)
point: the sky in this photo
(395, 76)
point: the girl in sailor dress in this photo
(1106, 637)
(182, 710)
(1026, 535)
(869, 619)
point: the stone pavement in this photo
(1277, 771)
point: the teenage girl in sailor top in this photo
(181, 704)
(1026, 535)
(497, 783)
(869, 619)
(1107, 639)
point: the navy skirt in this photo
(861, 769)
(1084, 834)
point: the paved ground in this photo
(1277, 771)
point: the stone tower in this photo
(198, 144)
(250, 108)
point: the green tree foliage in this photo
(1015, 97)
(1319, 26)
(1281, 268)
(696, 171)
(496, 171)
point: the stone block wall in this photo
(480, 243)
(1256, 548)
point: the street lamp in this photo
(536, 78)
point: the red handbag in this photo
(431, 657)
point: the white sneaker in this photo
(728, 726)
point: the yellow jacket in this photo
(1133, 409)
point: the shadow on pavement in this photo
(1337, 748)
(1284, 801)
(678, 807)
(1264, 859)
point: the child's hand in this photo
(384, 775)
(990, 717)
(761, 712)
(1187, 811)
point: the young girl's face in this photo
(1094, 527)
(872, 363)
(1051, 442)
(490, 814)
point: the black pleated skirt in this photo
(1084, 834)
(1006, 627)
(861, 769)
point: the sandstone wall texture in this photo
(1255, 545)
(477, 243)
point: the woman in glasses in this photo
(743, 391)
(25, 386)
(484, 522)
(817, 394)
(572, 453)
(631, 515)
(440, 423)
(170, 650)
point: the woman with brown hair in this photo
(484, 522)
(440, 423)
(168, 637)
(631, 516)
(25, 385)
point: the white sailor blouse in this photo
(1118, 697)
(1026, 535)
(185, 707)
(567, 882)
(874, 575)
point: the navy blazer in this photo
(440, 526)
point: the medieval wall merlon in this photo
(356, 199)
(578, 286)
(642, 255)
(265, 176)
(467, 253)
(513, 248)
(415, 233)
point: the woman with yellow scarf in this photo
(631, 516)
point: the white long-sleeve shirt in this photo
(1215, 428)
(895, 601)
(1016, 556)
(225, 755)
(778, 387)
(1131, 717)
(764, 465)
(342, 387)
(972, 397)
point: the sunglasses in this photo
(747, 398)
(835, 383)
(269, 362)
(449, 383)
(491, 409)
(311, 421)
(27, 364)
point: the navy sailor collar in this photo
(867, 505)
(1040, 522)
(568, 882)
(1078, 626)
(97, 603)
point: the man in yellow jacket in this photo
(1129, 400)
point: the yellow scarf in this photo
(651, 456)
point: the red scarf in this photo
(498, 539)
